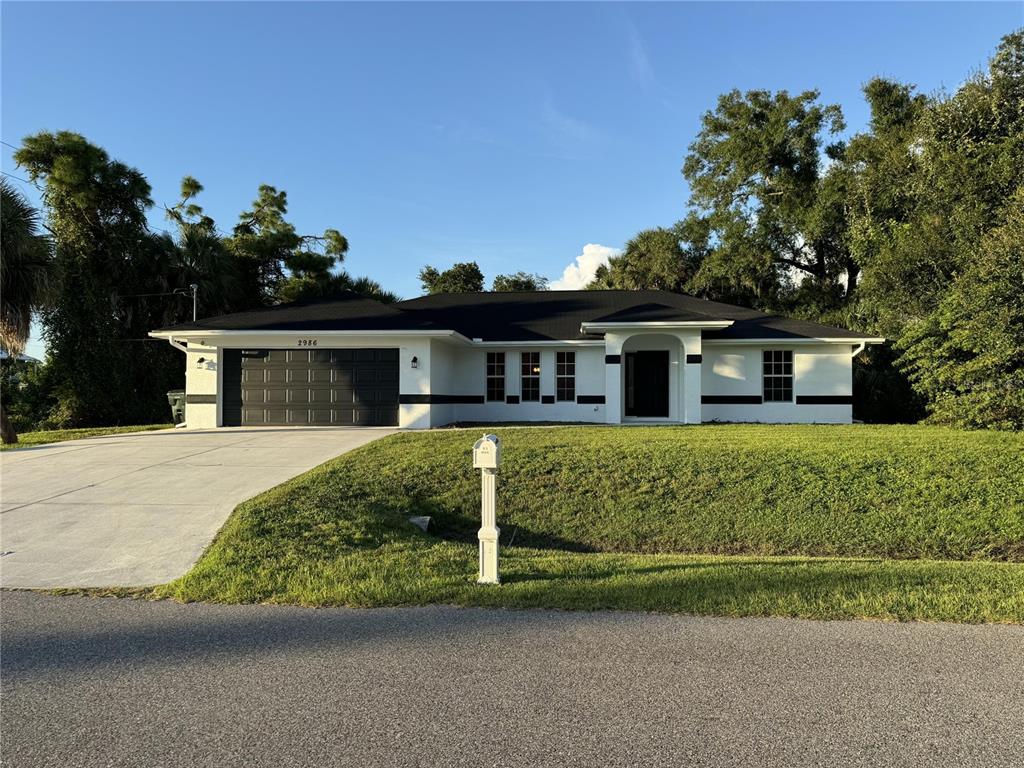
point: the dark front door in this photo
(647, 384)
(311, 386)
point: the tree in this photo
(967, 358)
(26, 276)
(274, 260)
(107, 372)
(937, 187)
(654, 259)
(879, 172)
(464, 277)
(756, 185)
(117, 280)
(202, 258)
(520, 281)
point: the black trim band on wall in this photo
(590, 399)
(512, 399)
(612, 359)
(731, 400)
(824, 399)
(694, 358)
(200, 399)
(547, 399)
(439, 399)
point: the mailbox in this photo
(487, 458)
(487, 452)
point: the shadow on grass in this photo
(788, 588)
(589, 574)
(451, 525)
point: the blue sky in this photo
(509, 134)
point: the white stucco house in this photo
(608, 357)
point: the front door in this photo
(647, 384)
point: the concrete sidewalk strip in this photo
(138, 509)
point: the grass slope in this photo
(595, 510)
(29, 439)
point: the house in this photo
(606, 357)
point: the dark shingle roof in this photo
(520, 316)
(343, 312)
(545, 315)
(652, 313)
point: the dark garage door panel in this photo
(311, 386)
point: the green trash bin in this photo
(176, 398)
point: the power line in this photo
(5, 173)
(8, 145)
(179, 292)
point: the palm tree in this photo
(26, 274)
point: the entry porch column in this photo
(692, 363)
(613, 376)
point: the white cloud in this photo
(566, 127)
(639, 62)
(581, 271)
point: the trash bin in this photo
(176, 399)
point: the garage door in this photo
(313, 387)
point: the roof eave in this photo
(798, 340)
(169, 333)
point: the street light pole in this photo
(195, 302)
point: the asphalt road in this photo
(105, 682)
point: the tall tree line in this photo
(912, 229)
(114, 280)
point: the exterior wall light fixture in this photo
(415, 362)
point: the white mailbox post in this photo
(487, 458)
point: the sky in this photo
(536, 137)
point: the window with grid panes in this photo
(495, 376)
(565, 376)
(530, 372)
(777, 375)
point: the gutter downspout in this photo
(176, 344)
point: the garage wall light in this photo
(200, 361)
(415, 362)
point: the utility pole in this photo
(194, 290)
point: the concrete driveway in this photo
(139, 509)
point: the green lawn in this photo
(28, 439)
(814, 521)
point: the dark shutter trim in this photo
(731, 400)
(612, 359)
(200, 399)
(512, 399)
(824, 399)
(694, 358)
(440, 399)
(590, 399)
(547, 399)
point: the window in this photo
(495, 376)
(530, 370)
(778, 375)
(565, 376)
